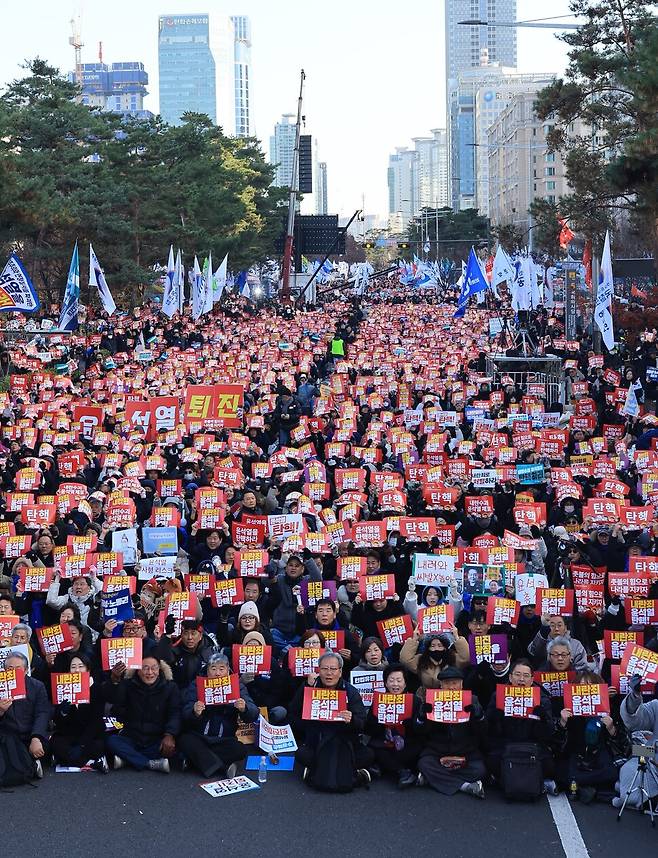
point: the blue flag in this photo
(474, 282)
(68, 317)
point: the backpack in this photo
(521, 774)
(334, 766)
(16, 765)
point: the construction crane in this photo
(75, 39)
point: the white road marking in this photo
(567, 827)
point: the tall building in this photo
(282, 149)
(432, 170)
(187, 67)
(242, 74)
(521, 167)
(469, 47)
(403, 186)
(119, 87)
(320, 178)
(196, 67)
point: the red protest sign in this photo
(615, 642)
(395, 629)
(218, 690)
(377, 587)
(35, 580)
(369, 534)
(12, 684)
(554, 602)
(247, 534)
(417, 529)
(334, 638)
(554, 680)
(15, 546)
(55, 639)
(252, 659)
(351, 568)
(448, 707)
(503, 611)
(303, 661)
(125, 650)
(586, 699)
(392, 708)
(639, 660)
(323, 704)
(628, 584)
(436, 619)
(39, 515)
(591, 597)
(229, 592)
(70, 688)
(644, 612)
(480, 506)
(644, 566)
(251, 564)
(517, 701)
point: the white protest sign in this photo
(275, 739)
(230, 786)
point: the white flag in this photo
(170, 294)
(632, 406)
(549, 300)
(503, 268)
(97, 279)
(523, 291)
(180, 281)
(219, 280)
(209, 285)
(197, 291)
(602, 311)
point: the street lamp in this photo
(535, 22)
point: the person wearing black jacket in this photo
(77, 739)
(190, 655)
(208, 740)
(538, 729)
(330, 751)
(450, 758)
(27, 719)
(148, 705)
(366, 615)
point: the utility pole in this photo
(294, 184)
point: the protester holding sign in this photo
(78, 737)
(26, 719)
(390, 726)
(208, 739)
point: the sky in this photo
(375, 69)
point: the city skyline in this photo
(392, 90)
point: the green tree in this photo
(611, 85)
(511, 236)
(131, 187)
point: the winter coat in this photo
(315, 732)
(503, 730)
(282, 602)
(186, 664)
(147, 712)
(409, 657)
(29, 717)
(216, 721)
(538, 650)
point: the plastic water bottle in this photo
(262, 770)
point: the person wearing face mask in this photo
(439, 652)
(430, 596)
(396, 747)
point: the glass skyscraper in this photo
(186, 66)
(242, 74)
(471, 47)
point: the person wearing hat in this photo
(266, 689)
(189, 655)
(451, 758)
(284, 603)
(230, 632)
(208, 739)
(607, 548)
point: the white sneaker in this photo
(474, 788)
(38, 768)
(118, 763)
(161, 765)
(232, 770)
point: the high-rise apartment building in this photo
(320, 178)
(119, 87)
(469, 47)
(242, 75)
(282, 149)
(402, 186)
(432, 170)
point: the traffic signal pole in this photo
(294, 184)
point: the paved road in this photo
(148, 815)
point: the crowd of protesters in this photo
(436, 573)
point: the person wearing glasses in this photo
(551, 628)
(536, 729)
(333, 758)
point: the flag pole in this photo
(294, 184)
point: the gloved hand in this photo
(635, 683)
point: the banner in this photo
(68, 317)
(16, 289)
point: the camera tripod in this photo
(639, 781)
